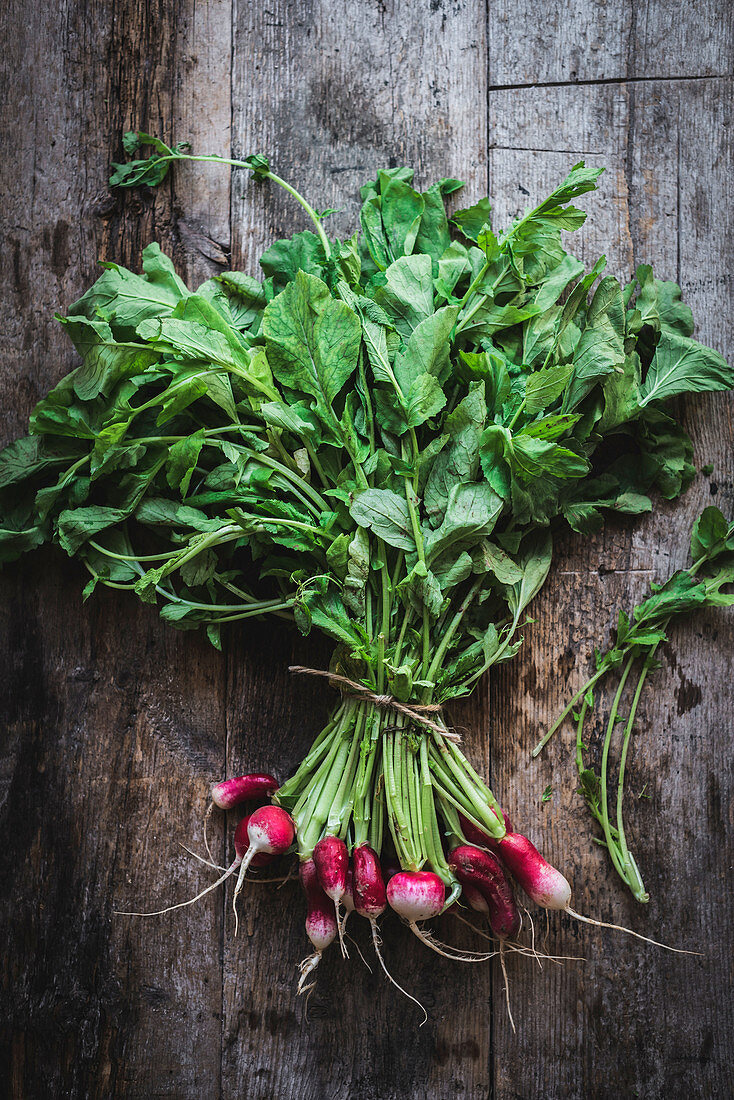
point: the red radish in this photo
(476, 899)
(543, 884)
(332, 863)
(416, 895)
(242, 843)
(546, 886)
(331, 859)
(370, 901)
(481, 870)
(420, 895)
(269, 830)
(235, 791)
(321, 922)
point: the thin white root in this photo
(621, 928)
(520, 949)
(345, 953)
(182, 904)
(207, 815)
(507, 985)
(290, 877)
(206, 862)
(306, 967)
(359, 950)
(444, 949)
(468, 923)
(532, 937)
(377, 941)
(249, 856)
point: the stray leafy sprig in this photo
(704, 584)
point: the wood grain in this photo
(114, 724)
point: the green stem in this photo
(566, 710)
(634, 879)
(610, 840)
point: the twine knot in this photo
(416, 712)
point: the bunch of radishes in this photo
(334, 879)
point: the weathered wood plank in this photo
(663, 200)
(101, 699)
(619, 40)
(345, 95)
(114, 724)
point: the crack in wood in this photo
(603, 81)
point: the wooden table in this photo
(114, 724)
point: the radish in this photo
(420, 895)
(321, 921)
(477, 836)
(233, 792)
(270, 830)
(331, 859)
(370, 901)
(476, 899)
(241, 788)
(416, 895)
(546, 886)
(481, 870)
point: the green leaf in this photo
(407, 294)
(709, 529)
(427, 350)
(680, 365)
(472, 219)
(543, 387)
(471, 513)
(601, 347)
(182, 459)
(459, 461)
(386, 514)
(423, 400)
(124, 299)
(312, 340)
(490, 558)
(285, 258)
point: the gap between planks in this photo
(607, 80)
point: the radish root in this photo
(306, 967)
(444, 949)
(182, 904)
(251, 853)
(621, 928)
(377, 942)
(207, 815)
(507, 985)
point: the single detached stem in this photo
(634, 879)
(611, 843)
(566, 710)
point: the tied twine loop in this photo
(416, 712)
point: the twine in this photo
(416, 712)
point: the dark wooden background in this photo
(114, 725)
